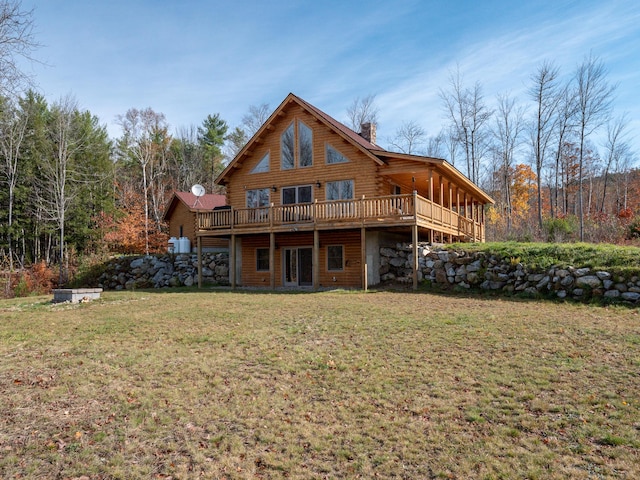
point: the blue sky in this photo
(191, 58)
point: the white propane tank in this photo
(185, 245)
(172, 245)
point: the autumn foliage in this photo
(124, 231)
(39, 279)
(612, 218)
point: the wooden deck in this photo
(389, 211)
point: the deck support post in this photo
(315, 269)
(450, 206)
(272, 260)
(414, 238)
(473, 220)
(199, 250)
(363, 258)
(431, 186)
(232, 261)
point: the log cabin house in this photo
(181, 216)
(310, 203)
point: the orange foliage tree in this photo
(124, 231)
(523, 189)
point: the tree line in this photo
(559, 164)
(561, 158)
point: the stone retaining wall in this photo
(444, 268)
(165, 271)
(479, 270)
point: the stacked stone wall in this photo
(164, 271)
(443, 268)
(479, 270)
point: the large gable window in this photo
(287, 149)
(334, 156)
(263, 165)
(305, 145)
(296, 146)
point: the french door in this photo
(298, 265)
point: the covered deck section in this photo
(442, 223)
(423, 218)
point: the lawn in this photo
(218, 384)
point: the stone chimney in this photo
(368, 132)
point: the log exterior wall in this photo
(416, 197)
(360, 168)
(350, 276)
(183, 223)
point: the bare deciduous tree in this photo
(594, 96)
(255, 118)
(564, 125)
(616, 149)
(362, 110)
(13, 126)
(234, 142)
(436, 146)
(59, 175)
(509, 124)
(469, 116)
(142, 130)
(409, 137)
(16, 40)
(189, 158)
(544, 91)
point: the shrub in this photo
(39, 279)
(633, 229)
(560, 229)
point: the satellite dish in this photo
(198, 190)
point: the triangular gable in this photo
(342, 130)
(207, 201)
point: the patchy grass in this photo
(221, 384)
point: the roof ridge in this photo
(342, 127)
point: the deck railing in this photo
(393, 209)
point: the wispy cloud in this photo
(504, 62)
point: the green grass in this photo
(220, 384)
(541, 256)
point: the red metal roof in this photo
(205, 202)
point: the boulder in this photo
(388, 252)
(630, 296)
(581, 272)
(590, 281)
